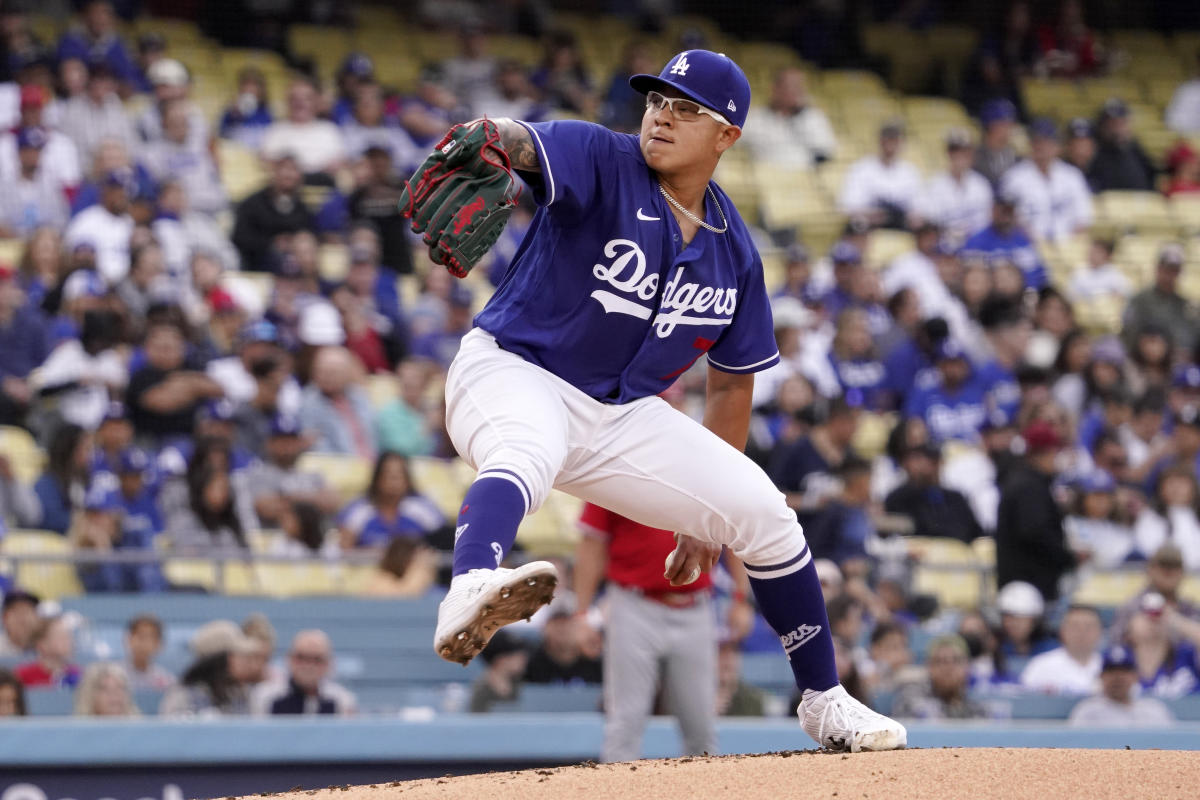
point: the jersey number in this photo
(700, 344)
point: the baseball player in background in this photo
(636, 266)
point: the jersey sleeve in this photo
(596, 521)
(572, 155)
(748, 344)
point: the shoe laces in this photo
(843, 714)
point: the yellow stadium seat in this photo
(49, 580)
(885, 245)
(333, 261)
(1100, 315)
(952, 588)
(347, 475)
(1186, 208)
(985, 551)
(242, 171)
(382, 389)
(1190, 590)
(281, 579)
(24, 455)
(1046, 97)
(1141, 211)
(870, 437)
(939, 550)
(847, 83)
(191, 572)
(11, 251)
(441, 481)
(1109, 588)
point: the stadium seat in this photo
(1124, 211)
(242, 171)
(1109, 588)
(382, 388)
(347, 475)
(884, 245)
(333, 261)
(559, 699)
(11, 251)
(1186, 208)
(941, 551)
(23, 453)
(48, 579)
(49, 702)
(440, 481)
(191, 573)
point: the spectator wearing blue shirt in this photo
(22, 348)
(909, 365)
(440, 345)
(391, 508)
(1003, 242)
(357, 69)
(797, 275)
(839, 530)
(1164, 645)
(247, 118)
(1008, 332)
(215, 420)
(955, 407)
(62, 486)
(854, 362)
(113, 436)
(847, 264)
(804, 468)
(98, 39)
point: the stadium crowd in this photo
(950, 393)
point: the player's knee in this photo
(768, 532)
(533, 469)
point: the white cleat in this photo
(839, 722)
(482, 601)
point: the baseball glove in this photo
(462, 195)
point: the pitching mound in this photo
(980, 774)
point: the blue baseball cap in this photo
(285, 425)
(114, 411)
(1186, 377)
(711, 79)
(32, 136)
(83, 283)
(216, 411)
(1043, 128)
(1117, 657)
(259, 331)
(997, 110)
(1096, 481)
(845, 253)
(949, 349)
(100, 498)
(997, 419)
(133, 459)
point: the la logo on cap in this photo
(681, 65)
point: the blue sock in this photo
(793, 605)
(487, 523)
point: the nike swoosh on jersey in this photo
(644, 218)
(614, 303)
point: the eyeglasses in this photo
(682, 109)
(310, 658)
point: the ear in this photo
(726, 137)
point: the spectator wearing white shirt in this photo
(182, 232)
(513, 95)
(996, 154)
(60, 157)
(470, 73)
(959, 199)
(1183, 112)
(107, 226)
(97, 114)
(315, 143)
(1053, 199)
(790, 131)
(174, 156)
(172, 85)
(1099, 277)
(33, 198)
(1115, 705)
(1074, 666)
(82, 373)
(882, 187)
(369, 128)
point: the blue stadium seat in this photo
(535, 698)
(49, 702)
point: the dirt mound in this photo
(950, 774)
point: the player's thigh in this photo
(504, 413)
(659, 467)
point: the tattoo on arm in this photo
(517, 142)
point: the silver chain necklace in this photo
(693, 217)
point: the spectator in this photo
(97, 114)
(1074, 666)
(96, 527)
(1068, 47)
(19, 619)
(112, 156)
(1008, 335)
(934, 510)
(270, 214)
(107, 226)
(59, 157)
(958, 200)
(368, 127)
(804, 468)
(945, 695)
(402, 425)
(12, 695)
(996, 154)
(1163, 643)
(22, 348)
(791, 131)
(917, 270)
(565, 654)
(1030, 543)
(175, 155)
(440, 345)
(164, 395)
(262, 634)
(890, 660)
(623, 107)
(405, 569)
(470, 74)
(143, 643)
(376, 202)
(562, 77)
(80, 375)
(1004, 242)
(1171, 517)
(1183, 112)
(172, 88)
(391, 508)
(841, 529)
(62, 485)
(105, 691)
(1021, 634)
(1164, 576)
(1098, 277)
(307, 689)
(435, 107)
(505, 658)
(276, 483)
(1080, 148)
(247, 119)
(1116, 705)
(259, 360)
(1053, 199)
(952, 406)
(216, 682)
(357, 70)
(1183, 166)
(1162, 305)
(882, 187)
(854, 361)
(315, 144)
(735, 697)
(34, 198)
(97, 39)
(41, 267)
(335, 408)
(210, 511)
(54, 649)
(514, 96)
(1097, 527)
(1120, 161)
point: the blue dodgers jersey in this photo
(601, 292)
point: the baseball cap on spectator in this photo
(788, 312)
(121, 177)
(15, 596)
(357, 64)
(151, 42)
(711, 79)
(891, 129)
(1186, 376)
(1043, 128)
(796, 253)
(1006, 198)
(98, 67)
(959, 139)
(168, 72)
(285, 425)
(321, 325)
(997, 419)
(216, 411)
(133, 459)
(502, 644)
(1095, 482)
(100, 498)
(1109, 351)
(1117, 657)
(999, 110)
(845, 253)
(857, 225)
(1168, 555)
(1188, 415)
(1113, 108)
(1040, 435)
(948, 349)
(32, 136)
(83, 283)
(6, 272)
(828, 572)
(1079, 128)
(259, 331)
(221, 636)
(1020, 599)
(1171, 255)
(460, 296)
(33, 96)
(1180, 154)
(222, 302)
